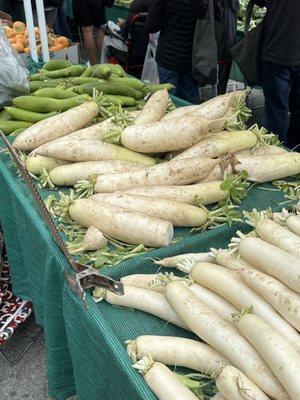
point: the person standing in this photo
(176, 22)
(90, 15)
(281, 68)
(61, 26)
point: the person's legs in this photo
(188, 88)
(224, 74)
(277, 83)
(89, 43)
(293, 135)
(99, 39)
(169, 76)
(62, 20)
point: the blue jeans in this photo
(186, 87)
(281, 86)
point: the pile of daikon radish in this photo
(140, 193)
(245, 309)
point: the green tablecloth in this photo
(115, 12)
(89, 343)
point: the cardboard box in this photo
(70, 53)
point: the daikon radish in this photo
(262, 168)
(57, 126)
(217, 144)
(225, 259)
(218, 396)
(177, 260)
(223, 337)
(275, 349)
(229, 285)
(95, 132)
(154, 109)
(292, 221)
(278, 295)
(78, 150)
(141, 299)
(163, 382)
(164, 136)
(36, 164)
(273, 233)
(235, 385)
(170, 173)
(271, 260)
(177, 351)
(92, 240)
(157, 282)
(181, 112)
(179, 214)
(69, 175)
(263, 150)
(121, 224)
(200, 193)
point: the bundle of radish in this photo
(79, 150)
(263, 168)
(154, 109)
(217, 144)
(57, 126)
(93, 240)
(223, 337)
(177, 351)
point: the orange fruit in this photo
(63, 40)
(19, 26)
(11, 40)
(18, 46)
(9, 32)
(26, 50)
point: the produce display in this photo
(123, 3)
(242, 303)
(17, 35)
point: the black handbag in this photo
(205, 48)
(247, 52)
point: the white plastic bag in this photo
(13, 74)
(150, 70)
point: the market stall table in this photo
(95, 336)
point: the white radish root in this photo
(154, 109)
(57, 126)
(218, 396)
(275, 349)
(125, 225)
(201, 193)
(93, 240)
(144, 300)
(177, 351)
(170, 173)
(272, 260)
(263, 150)
(78, 150)
(36, 164)
(69, 175)
(142, 281)
(229, 285)
(177, 260)
(235, 385)
(223, 337)
(179, 214)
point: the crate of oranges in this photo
(17, 35)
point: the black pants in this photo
(281, 87)
(223, 76)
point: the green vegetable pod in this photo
(28, 116)
(81, 80)
(5, 116)
(101, 71)
(36, 85)
(155, 88)
(54, 65)
(75, 70)
(87, 72)
(110, 88)
(46, 104)
(55, 93)
(8, 127)
(116, 69)
(132, 82)
(123, 101)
